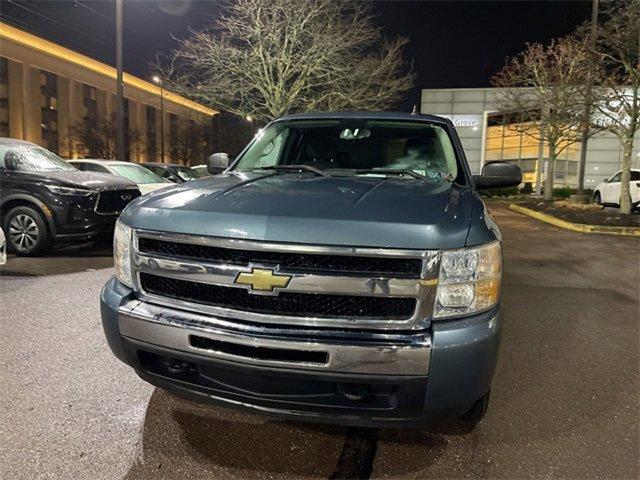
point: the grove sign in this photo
(464, 121)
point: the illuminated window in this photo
(89, 102)
(49, 109)
(4, 97)
(127, 131)
(519, 143)
(173, 136)
(152, 149)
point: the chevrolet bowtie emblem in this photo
(262, 280)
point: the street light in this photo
(158, 81)
(119, 84)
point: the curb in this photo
(576, 227)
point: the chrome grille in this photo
(334, 287)
(293, 304)
(289, 261)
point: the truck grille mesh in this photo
(288, 261)
(286, 303)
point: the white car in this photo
(3, 248)
(146, 180)
(201, 170)
(608, 191)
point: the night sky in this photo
(452, 44)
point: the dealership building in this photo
(46, 89)
(486, 138)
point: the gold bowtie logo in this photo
(262, 280)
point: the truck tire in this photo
(26, 232)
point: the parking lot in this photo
(564, 401)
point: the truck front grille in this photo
(288, 261)
(114, 201)
(286, 303)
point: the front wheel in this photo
(26, 231)
(597, 199)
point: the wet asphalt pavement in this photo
(564, 401)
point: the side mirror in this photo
(498, 175)
(218, 163)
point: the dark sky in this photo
(452, 44)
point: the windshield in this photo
(186, 173)
(31, 159)
(356, 147)
(137, 174)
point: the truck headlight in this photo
(469, 281)
(122, 253)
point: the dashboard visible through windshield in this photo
(354, 147)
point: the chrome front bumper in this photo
(345, 352)
(415, 378)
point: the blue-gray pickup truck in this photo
(343, 268)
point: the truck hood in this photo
(301, 208)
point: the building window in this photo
(49, 108)
(89, 102)
(173, 137)
(152, 148)
(512, 142)
(4, 97)
(127, 131)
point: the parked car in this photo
(172, 172)
(201, 170)
(3, 248)
(344, 269)
(45, 200)
(608, 191)
(146, 180)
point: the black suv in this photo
(44, 199)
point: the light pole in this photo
(158, 81)
(582, 163)
(119, 84)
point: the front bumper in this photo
(382, 379)
(72, 224)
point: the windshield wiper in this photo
(392, 171)
(294, 168)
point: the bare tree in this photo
(98, 136)
(189, 146)
(266, 58)
(618, 92)
(543, 93)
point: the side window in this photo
(616, 177)
(635, 175)
(165, 173)
(80, 166)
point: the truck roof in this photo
(363, 114)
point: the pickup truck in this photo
(342, 269)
